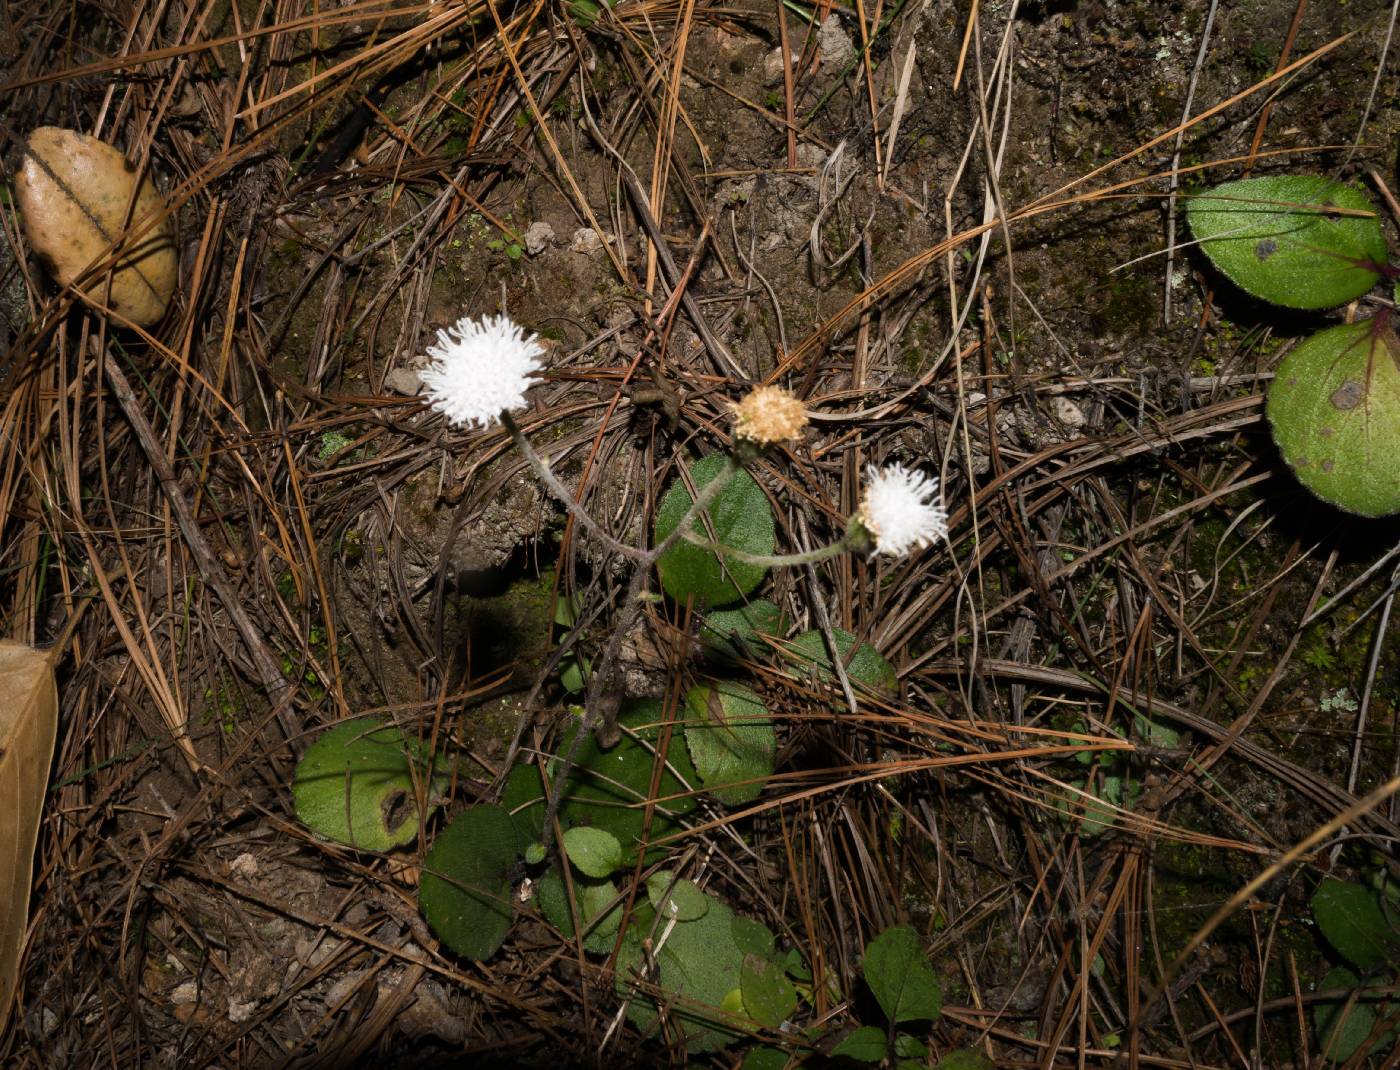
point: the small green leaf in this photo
(356, 785)
(752, 937)
(1339, 1036)
(593, 898)
(465, 890)
(909, 1047)
(679, 899)
(769, 997)
(524, 798)
(731, 740)
(964, 1059)
(764, 1058)
(534, 854)
(864, 1045)
(865, 667)
(1351, 919)
(593, 852)
(742, 519)
(1281, 239)
(897, 971)
(732, 635)
(1334, 407)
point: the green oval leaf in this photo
(355, 785)
(898, 974)
(864, 1045)
(599, 909)
(731, 740)
(607, 788)
(741, 518)
(1282, 240)
(594, 852)
(1351, 919)
(731, 635)
(865, 666)
(1341, 1035)
(679, 899)
(1334, 407)
(465, 890)
(769, 997)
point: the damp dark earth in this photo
(912, 588)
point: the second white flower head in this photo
(901, 510)
(480, 369)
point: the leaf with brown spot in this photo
(28, 724)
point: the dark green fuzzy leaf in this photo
(1334, 407)
(865, 667)
(964, 1059)
(742, 519)
(605, 784)
(465, 891)
(676, 898)
(355, 785)
(769, 997)
(593, 899)
(765, 1059)
(1351, 919)
(732, 635)
(909, 1047)
(1340, 1036)
(1276, 239)
(864, 1045)
(731, 740)
(897, 971)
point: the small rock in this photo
(408, 381)
(244, 867)
(74, 193)
(344, 988)
(240, 1011)
(773, 65)
(538, 235)
(1067, 412)
(186, 992)
(586, 240)
(430, 1016)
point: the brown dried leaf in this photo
(28, 724)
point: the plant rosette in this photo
(1335, 412)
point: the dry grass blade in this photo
(28, 727)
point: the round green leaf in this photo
(731, 635)
(1335, 411)
(355, 785)
(1340, 1037)
(741, 518)
(1351, 918)
(607, 787)
(465, 890)
(594, 899)
(731, 740)
(769, 997)
(1281, 239)
(594, 852)
(864, 1045)
(866, 667)
(679, 899)
(698, 968)
(898, 974)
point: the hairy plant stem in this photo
(603, 699)
(807, 557)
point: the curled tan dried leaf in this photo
(28, 725)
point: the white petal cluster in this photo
(901, 510)
(480, 369)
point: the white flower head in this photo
(901, 510)
(480, 369)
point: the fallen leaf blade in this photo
(28, 728)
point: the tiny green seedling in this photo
(1308, 242)
(897, 973)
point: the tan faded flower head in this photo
(770, 414)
